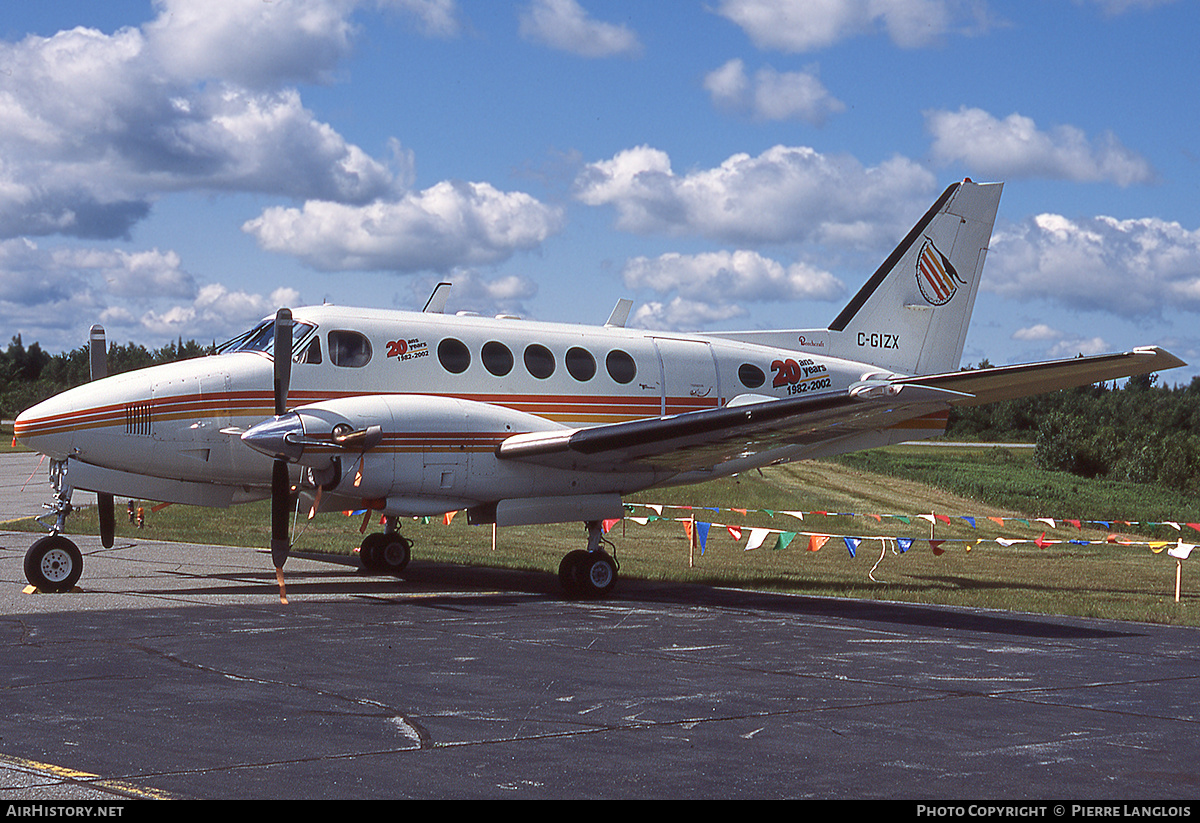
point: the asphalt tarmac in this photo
(175, 672)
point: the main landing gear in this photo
(54, 563)
(590, 574)
(386, 552)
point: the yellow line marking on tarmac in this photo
(120, 787)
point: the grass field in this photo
(1104, 580)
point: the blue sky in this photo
(181, 167)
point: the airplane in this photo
(413, 414)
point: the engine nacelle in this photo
(419, 454)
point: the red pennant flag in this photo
(936, 545)
(1076, 524)
(1042, 542)
(608, 524)
(943, 518)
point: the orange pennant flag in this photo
(816, 541)
(447, 517)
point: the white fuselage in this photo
(444, 390)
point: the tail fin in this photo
(912, 315)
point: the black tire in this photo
(370, 552)
(569, 572)
(394, 554)
(53, 564)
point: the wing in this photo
(747, 427)
(1011, 382)
(758, 427)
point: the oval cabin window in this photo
(620, 365)
(751, 376)
(497, 359)
(539, 361)
(454, 355)
(580, 364)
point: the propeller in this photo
(98, 356)
(281, 486)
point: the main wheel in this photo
(53, 564)
(395, 554)
(598, 575)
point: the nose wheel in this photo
(53, 564)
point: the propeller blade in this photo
(98, 357)
(281, 488)
(281, 485)
(283, 359)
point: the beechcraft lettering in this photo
(519, 422)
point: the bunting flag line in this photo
(700, 531)
(933, 518)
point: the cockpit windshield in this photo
(261, 338)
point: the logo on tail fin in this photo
(936, 275)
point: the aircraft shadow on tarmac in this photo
(432, 584)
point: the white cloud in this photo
(1038, 331)
(1076, 346)
(143, 295)
(447, 225)
(680, 313)
(772, 95)
(1015, 147)
(806, 25)
(565, 25)
(101, 125)
(738, 275)
(785, 194)
(216, 310)
(1130, 268)
(711, 286)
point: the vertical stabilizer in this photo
(912, 315)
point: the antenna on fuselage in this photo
(620, 314)
(437, 301)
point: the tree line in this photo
(29, 375)
(1141, 431)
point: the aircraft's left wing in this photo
(698, 440)
(752, 426)
(1011, 382)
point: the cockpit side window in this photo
(312, 352)
(349, 349)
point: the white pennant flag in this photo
(757, 536)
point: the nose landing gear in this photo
(53, 563)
